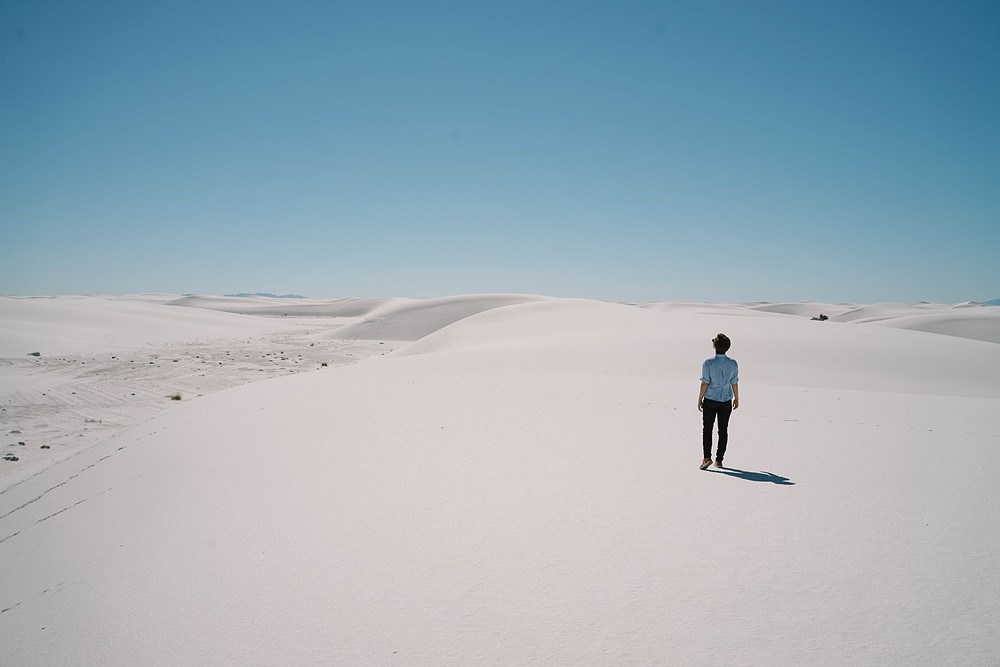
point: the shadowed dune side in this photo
(976, 321)
(412, 320)
(262, 305)
(971, 320)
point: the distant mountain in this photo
(273, 296)
(994, 302)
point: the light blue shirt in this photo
(721, 373)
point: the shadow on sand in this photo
(754, 476)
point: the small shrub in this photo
(176, 397)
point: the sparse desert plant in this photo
(175, 397)
(322, 364)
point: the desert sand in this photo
(494, 479)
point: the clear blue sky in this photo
(716, 151)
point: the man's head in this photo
(721, 343)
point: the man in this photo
(720, 395)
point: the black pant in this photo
(709, 410)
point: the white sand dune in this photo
(787, 351)
(287, 307)
(880, 312)
(521, 487)
(412, 320)
(978, 323)
(966, 320)
(806, 308)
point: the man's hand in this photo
(736, 403)
(699, 406)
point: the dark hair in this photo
(721, 343)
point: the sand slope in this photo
(286, 307)
(412, 320)
(966, 320)
(520, 487)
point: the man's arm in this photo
(701, 395)
(736, 396)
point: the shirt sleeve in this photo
(736, 373)
(704, 372)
